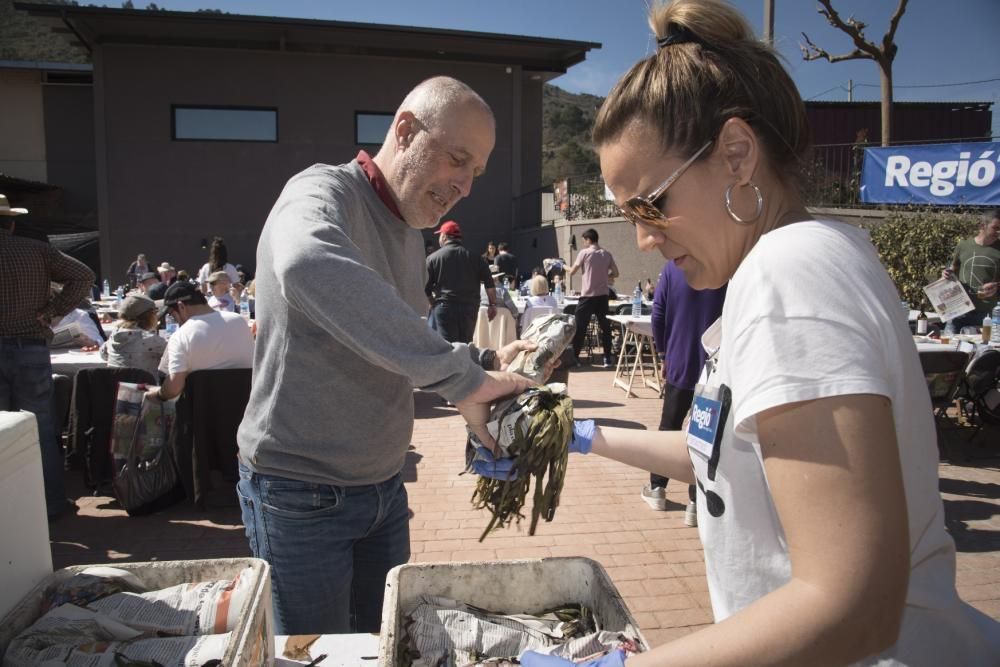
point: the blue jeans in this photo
(26, 384)
(329, 547)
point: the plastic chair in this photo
(979, 393)
(944, 372)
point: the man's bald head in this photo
(439, 142)
(433, 100)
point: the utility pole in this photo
(850, 90)
(769, 22)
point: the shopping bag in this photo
(146, 478)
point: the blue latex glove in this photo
(583, 436)
(487, 465)
(531, 659)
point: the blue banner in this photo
(942, 174)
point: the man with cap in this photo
(207, 339)
(147, 282)
(341, 346)
(453, 278)
(27, 307)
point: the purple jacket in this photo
(680, 315)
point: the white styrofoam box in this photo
(506, 587)
(252, 642)
(25, 556)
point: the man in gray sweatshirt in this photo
(340, 347)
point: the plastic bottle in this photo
(107, 289)
(637, 301)
(987, 328)
(559, 292)
(170, 325)
(949, 328)
(119, 295)
(506, 284)
(245, 305)
(995, 325)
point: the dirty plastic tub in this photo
(510, 586)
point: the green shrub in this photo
(916, 245)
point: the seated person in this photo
(134, 343)
(77, 328)
(207, 339)
(147, 282)
(539, 298)
(221, 298)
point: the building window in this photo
(371, 127)
(192, 123)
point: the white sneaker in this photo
(691, 515)
(655, 497)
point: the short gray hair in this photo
(432, 96)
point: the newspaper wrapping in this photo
(132, 625)
(446, 631)
(552, 334)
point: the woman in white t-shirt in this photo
(811, 437)
(218, 260)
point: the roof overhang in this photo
(94, 26)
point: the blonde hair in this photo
(714, 69)
(539, 286)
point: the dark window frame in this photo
(357, 114)
(223, 107)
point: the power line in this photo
(929, 85)
(825, 92)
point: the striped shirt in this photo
(27, 267)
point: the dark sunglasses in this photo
(644, 210)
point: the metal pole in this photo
(850, 90)
(769, 22)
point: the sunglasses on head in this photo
(643, 210)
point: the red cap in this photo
(450, 228)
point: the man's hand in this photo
(491, 311)
(509, 352)
(476, 406)
(153, 395)
(988, 290)
(947, 273)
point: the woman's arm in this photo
(660, 452)
(834, 473)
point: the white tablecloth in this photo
(68, 362)
(494, 335)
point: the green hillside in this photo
(566, 122)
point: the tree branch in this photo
(852, 28)
(888, 44)
(812, 52)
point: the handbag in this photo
(146, 478)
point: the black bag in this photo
(146, 478)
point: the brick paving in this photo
(653, 559)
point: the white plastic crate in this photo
(252, 642)
(512, 586)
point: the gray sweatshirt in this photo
(340, 342)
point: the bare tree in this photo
(863, 49)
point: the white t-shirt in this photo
(811, 313)
(205, 342)
(206, 271)
(224, 303)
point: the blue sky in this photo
(949, 42)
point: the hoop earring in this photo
(757, 211)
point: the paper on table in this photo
(948, 298)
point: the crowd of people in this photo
(811, 464)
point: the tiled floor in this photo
(654, 560)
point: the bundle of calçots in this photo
(533, 430)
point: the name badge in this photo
(704, 424)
